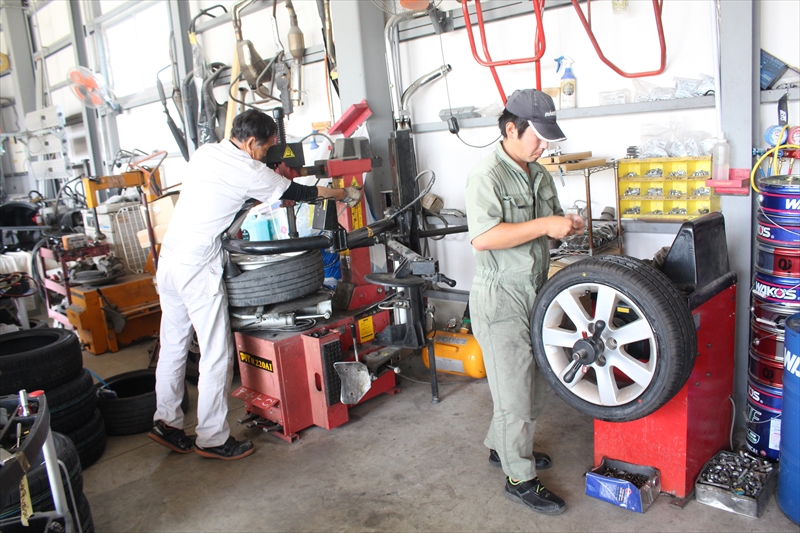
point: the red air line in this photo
(540, 44)
(657, 6)
(538, 9)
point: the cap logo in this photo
(550, 114)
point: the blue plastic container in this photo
(789, 475)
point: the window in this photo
(138, 47)
(53, 23)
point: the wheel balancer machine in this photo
(694, 425)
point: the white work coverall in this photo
(221, 178)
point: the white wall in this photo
(629, 39)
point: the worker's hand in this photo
(578, 223)
(353, 196)
(559, 227)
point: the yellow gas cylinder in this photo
(456, 353)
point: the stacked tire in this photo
(51, 360)
(40, 490)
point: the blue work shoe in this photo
(543, 461)
(173, 438)
(534, 495)
(232, 449)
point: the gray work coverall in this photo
(502, 297)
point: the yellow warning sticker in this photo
(288, 154)
(367, 329)
(356, 217)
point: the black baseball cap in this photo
(538, 109)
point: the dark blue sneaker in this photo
(534, 495)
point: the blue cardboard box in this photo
(620, 492)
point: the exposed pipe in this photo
(422, 82)
(392, 64)
(236, 18)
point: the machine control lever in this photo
(355, 339)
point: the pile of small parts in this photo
(741, 473)
(638, 480)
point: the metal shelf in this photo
(585, 112)
(774, 95)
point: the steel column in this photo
(14, 18)
(360, 57)
(739, 63)
(180, 18)
(82, 59)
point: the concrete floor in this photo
(400, 464)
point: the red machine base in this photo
(681, 436)
(289, 380)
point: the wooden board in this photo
(563, 158)
(586, 163)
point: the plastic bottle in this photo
(720, 158)
(569, 84)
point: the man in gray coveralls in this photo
(512, 208)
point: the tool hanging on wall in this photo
(200, 123)
(211, 124)
(177, 134)
(324, 8)
(262, 76)
(297, 48)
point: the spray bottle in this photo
(569, 85)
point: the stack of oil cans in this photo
(776, 297)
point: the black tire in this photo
(84, 514)
(90, 440)
(287, 279)
(133, 409)
(667, 355)
(38, 359)
(73, 403)
(39, 484)
(658, 278)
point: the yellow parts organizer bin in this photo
(668, 188)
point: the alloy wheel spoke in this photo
(552, 336)
(606, 385)
(573, 309)
(636, 370)
(635, 331)
(606, 301)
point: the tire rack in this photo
(63, 288)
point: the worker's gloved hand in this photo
(353, 196)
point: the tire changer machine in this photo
(294, 380)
